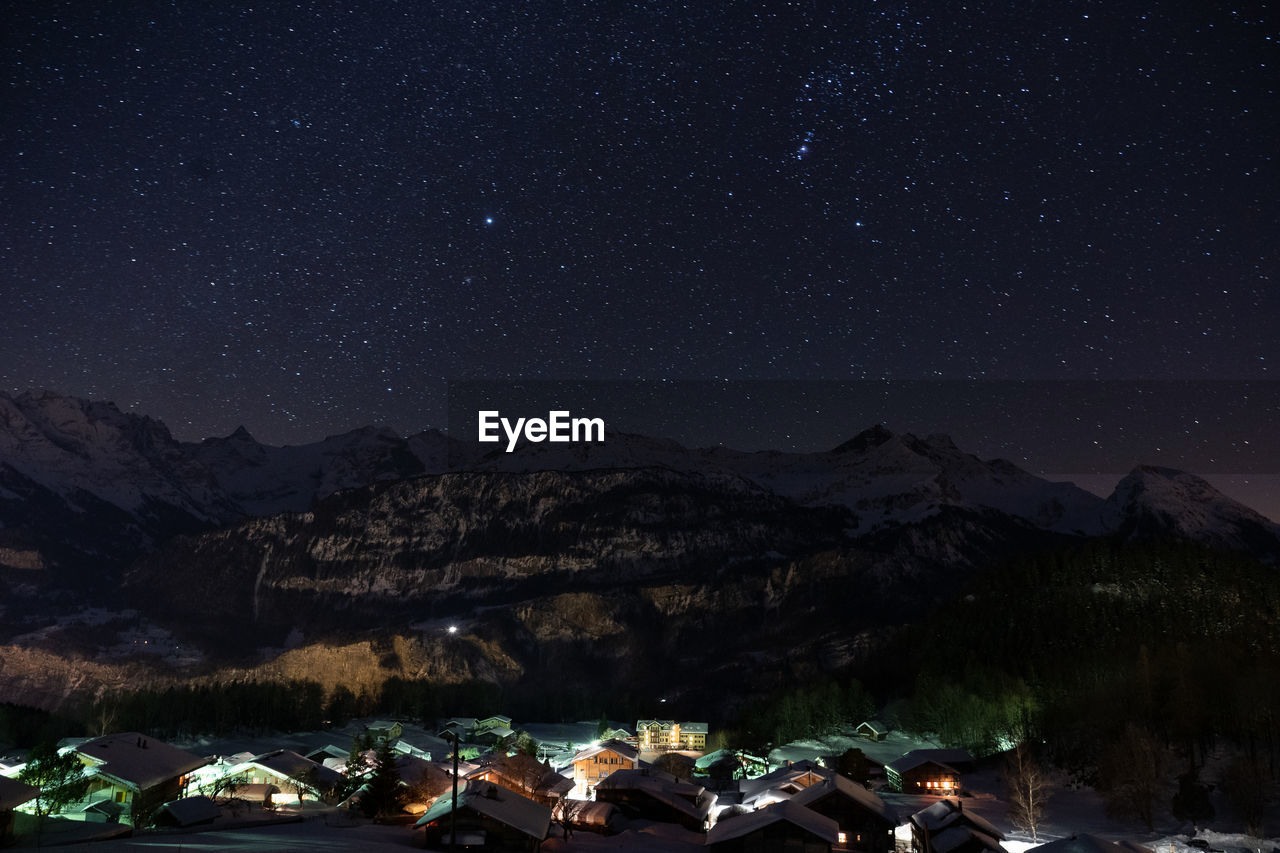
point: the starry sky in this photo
(309, 217)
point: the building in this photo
(872, 730)
(653, 795)
(489, 817)
(669, 734)
(594, 764)
(135, 772)
(865, 821)
(13, 793)
(384, 730)
(525, 775)
(945, 827)
(782, 826)
(296, 776)
(929, 771)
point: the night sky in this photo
(305, 218)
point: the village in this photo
(536, 787)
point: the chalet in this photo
(461, 728)
(292, 773)
(384, 730)
(653, 795)
(781, 826)
(783, 783)
(929, 771)
(669, 734)
(1085, 843)
(618, 734)
(497, 722)
(872, 730)
(594, 764)
(489, 817)
(945, 827)
(13, 793)
(136, 772)
(525, 775)
(865, 821)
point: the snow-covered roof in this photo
(136, 760)
(874, 726)
(662, 787)
(626, 750)
(947, 813)
(851, 789)
(916, 757)
(493, 801)
(787, 810)
(191, 810)
(500, 719)
(694, 728)
(286, 764)
(14, 793)
(956, 836)
(1085, 843)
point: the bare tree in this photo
(566, 812)
(1028, 790)
(1132, 775)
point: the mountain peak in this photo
(873, 436)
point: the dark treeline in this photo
(1081, 649)
(220, 709)
(24, 727)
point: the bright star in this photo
(488, 220)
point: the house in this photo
(460, 728)
(929, 771)
(384, 730)
(594, 764)
(783, 783)
(653, 795)
(872, 730)
(136, 772)
(1085, 843)
(865, 821)
(945, 827)
(669, 734)
(496, 722)
(525, 775)
(489, 817)
(618, 734)
(13, 793)
(293, 774)
(781, 826)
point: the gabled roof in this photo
(947, 813)
(286, 764)
(662, 787)
(917, 757)
(846, 787)
(1085, 843)
(874, 726)
(493, 801)
(14, 793)
(500, 719)
(787, 810)
(137, 761)
(626, 750)
(954, 837)
(192, 810)
(694, 728)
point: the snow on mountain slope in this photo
(1153, 502)
(885, 478)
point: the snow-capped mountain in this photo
(885, 478)
(1153, 502)
(83, 482)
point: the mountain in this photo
(633, 565)
(1162, 503)
(886, 479)
(86, 488)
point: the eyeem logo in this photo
(558, 427)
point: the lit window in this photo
(842, 838)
